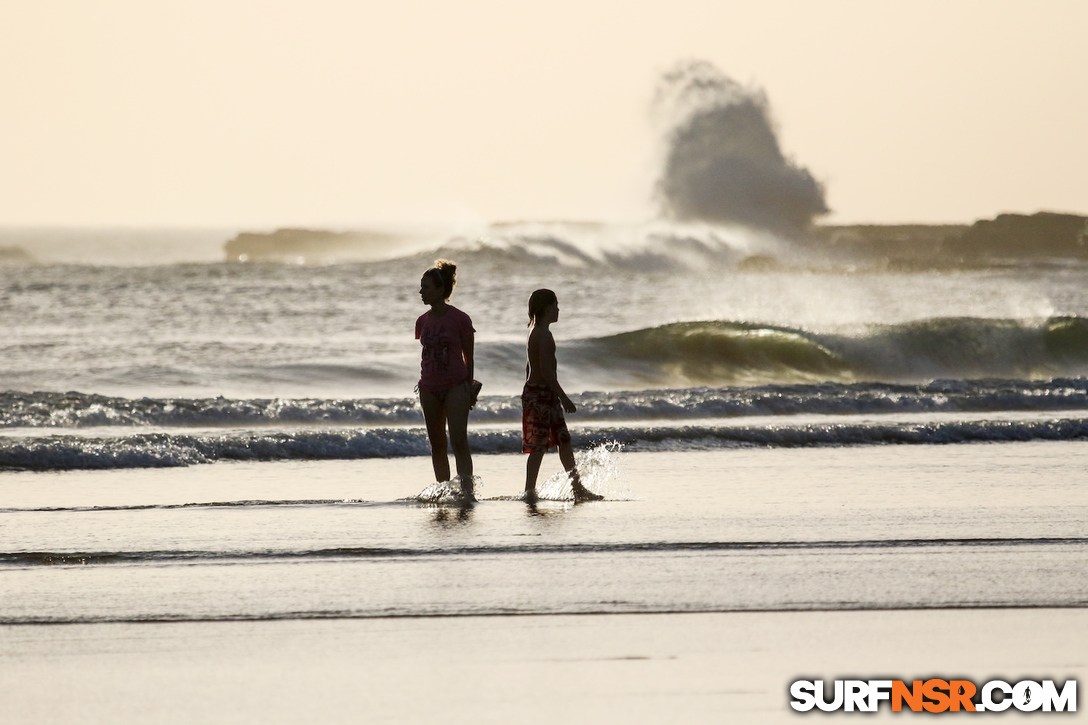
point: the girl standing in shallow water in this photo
(445, 381)
(543, 400)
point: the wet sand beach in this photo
(640, 668)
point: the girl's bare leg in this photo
(458, 402)
(434, 414)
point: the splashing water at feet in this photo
(599, 470)
(450, 492)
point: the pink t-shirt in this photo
(443, 364)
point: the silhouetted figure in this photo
(445, 382)
(543, 400)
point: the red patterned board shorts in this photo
(542, 423)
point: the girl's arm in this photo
(467, 342)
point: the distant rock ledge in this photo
(1045, 234)
(14, 255)
(1007, 237)
(310, 245)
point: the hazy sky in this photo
(332, 112)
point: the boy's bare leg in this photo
(458, 402)
(532, 470)
(435, 415)
(566, 455)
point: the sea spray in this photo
(723, 162)
(599, 470)
(650, 247)
(448, 492)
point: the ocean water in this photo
(759, 529)
(185, 438)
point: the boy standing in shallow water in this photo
(543, 400)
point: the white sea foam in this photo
(448, 492)
(20, 411)
(599, 445)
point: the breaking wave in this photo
(80, 410)
(163, 450)
(713, 353)
(83, 411)
(653, 246)
(736, 353)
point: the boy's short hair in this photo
(539, 301)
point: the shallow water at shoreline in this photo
(303, 590)
(763, 529)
